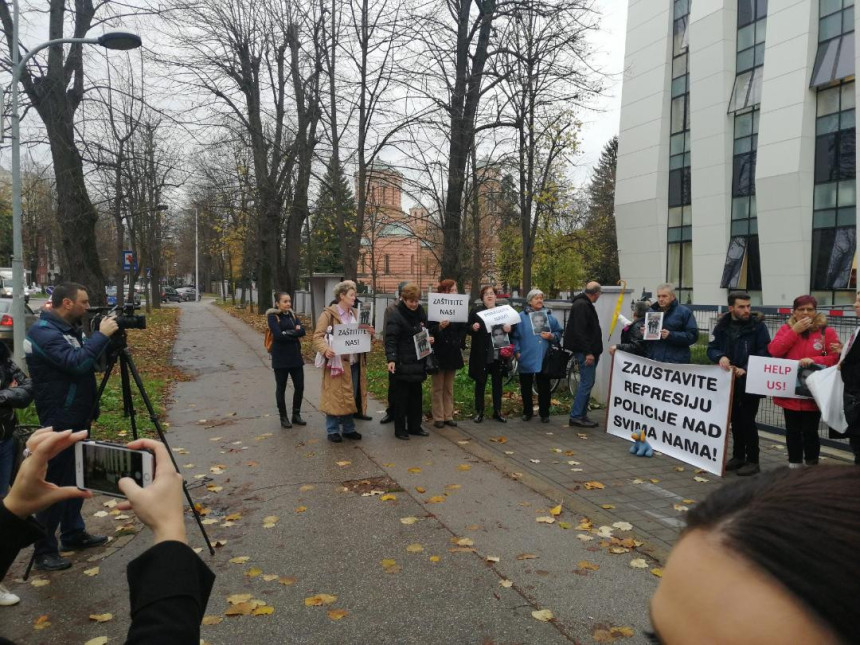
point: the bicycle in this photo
(572, 377)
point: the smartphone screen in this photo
(100, 466)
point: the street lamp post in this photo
(113, 40)
(196, 255)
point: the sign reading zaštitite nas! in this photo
(350, 339)
(683, 409)
(453, 307)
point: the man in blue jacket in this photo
(738, 335)
(62, 365)
(679, 329)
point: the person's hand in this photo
(329, 353)
(806, 362)
(431, 339)
(802, 325)
(589, 359)
(444, 324)
(836, 348)
(739, 372)
(546, 335)
(298, 327)
(612, 349)
(108, 326)
(391, 367)
(476, 326)
(30, 492)
(160, 504)
(664, 334)
(725, 363)
(518, 356)
(506, 328)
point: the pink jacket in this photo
(788, 344)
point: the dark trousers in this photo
(65, 514)
(356, 386)
(408, 407)
(542, 381)
(281, 376)
(494, 370)
(389, 410)
(801, 435)
(744, 428)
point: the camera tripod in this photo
(118, 351)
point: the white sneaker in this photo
(7, 598)
(794, 466)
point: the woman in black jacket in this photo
(484, 359)
(448, 347)
(287, 361)
(16, 391)
(407, 319)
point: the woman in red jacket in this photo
(807, 339)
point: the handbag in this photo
(828, 390)
(555, 361)
(431, 364)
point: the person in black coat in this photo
(484, 358)
(448, 339)
(583, 337)
(287, 361)
(633, 335)
(849, 368)
(169, 585)
(16, 391)
(406, 320)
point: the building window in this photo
(742, 269)
(752, 27)
(834, 60)
(835, 198)
(679, 265)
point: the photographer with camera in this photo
(62, 365)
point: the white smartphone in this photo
(100, 465)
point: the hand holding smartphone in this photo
(100, 465)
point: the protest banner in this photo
(501, 315)
(349, 339)
(773, 377)
(453, 307)
(683, 409)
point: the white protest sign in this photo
(502, 315)
(453, 307)
(772, 377)
(349, 339)
(683, 409)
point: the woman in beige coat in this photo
(344, 385)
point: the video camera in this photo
(124, 316)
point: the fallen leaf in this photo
(436, 499)
(583, 537)
(463, 541)
(388, 497)
(623, 526)
(593, 485)
(543, 615)
(678, 469)
(337, 614)
(213, 488)
(420, 489)
(618, 550)
(343, 463)
(700, 479)
(608, 507)
(100, 514)
(452, 486)
(41, 622)
(263, 610)
(240, 609)
(638, 481)
(238, 598)
(415, 470)
(253, 572)
(507, 584)
(509, 452)
(461, 549)
(492, 558)
(287, 580)
(301, 509)
(216, 471)
(535, 461)
(434, 558)
(414, 548)
(319, 600)
(252, 464)
(639, 563)
(681, 508)
(555, 511)
(499, 439)
(573, 462)
(209, 521)
(233, 517)
(91, 572)
(101, 618)
(270, 576)
(241, 559)
(39, 582)
(582, 435)
(211, 620)
(585, 564)
(605, 531)
(611, 634)
(558, 450)
(545, 520)
(98, 640)
(306, 488)
(657, 572)
(526, 556)
(464, 467)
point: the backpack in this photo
(267, 340)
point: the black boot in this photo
(297, 418)
(285, 421)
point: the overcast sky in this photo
(599, 126)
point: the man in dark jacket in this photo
(62, 365)
(680, 329)
(738, 335)
(583, 337)
(389, 409)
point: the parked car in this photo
(6, 289)
(110, 292)
(169, 294)
(7, 322)
(187, 293)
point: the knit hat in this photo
(800, 301)
(532, 294)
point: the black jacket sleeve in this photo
(392, 335)
(15, 534)
(169, 586)
(21, 395)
